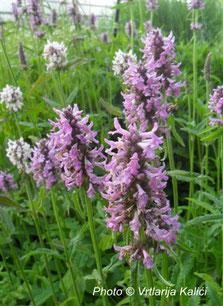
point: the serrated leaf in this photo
(186, 176)
(6, 222)
(185, 247)
(9, 202)
(206, 218)
(203, 204)
(213, 136)
(161, 278)
(41, 251)
(41, 298)
(113, 110)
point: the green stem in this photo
(165, 275)
(68, 260)
(55, 259)
(172, 168)
(94, 241)
(6, 266)
(19, 265)
(36, 221)
(132, 26)
(61, 89)
(8, 62)
(150, 284)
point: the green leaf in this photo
(113, 110)
(213, 136)
(213, 288)
(125, 301)
(40, 80)
(9, 202)
(6, 223)
(185, 247)
(213, 198)
(173, 130)
(52, 103)
(41, 298)
(41, 251)
(206, 218)
(105, 242)
(119, 6)
(204, 205)
(161, 278)
(186, 176)
(72, 96)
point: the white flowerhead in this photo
(12, 97)
(19, 153)
(54, 53)
(122, 61)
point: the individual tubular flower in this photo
(216, 106)
(134, 189)
(93, 21)
(128, 29)
(159, 54)
(151, 5)
(195, 26)
(72, 139)
(122, 60)
(22, 57)
(7, 182)
(196, 5)
(12, 97)
(105, 37)
(44, 165)
(55, 53)
(19, 153)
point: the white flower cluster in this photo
(121, 61)
(19, 153)
(12, 97)
(54, 53)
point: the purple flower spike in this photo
(105, 37)
(128, 29)
(159, 54)
(151, 5)
(196, 5)
(216, 106)
(44, 166)
(72, 140)
(7, 182)
(134, 188)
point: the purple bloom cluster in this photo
(151, 5)
(216, 106)
(93, 21)
(134, 189)
(44, 166)
(7, 182)
(149, 80)
(75, 16)
(71, 139)
(17, 12)
(105, 37)
(159, 54)
(195, 26)
(196, 5)
(128, 29)
(36, 17)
